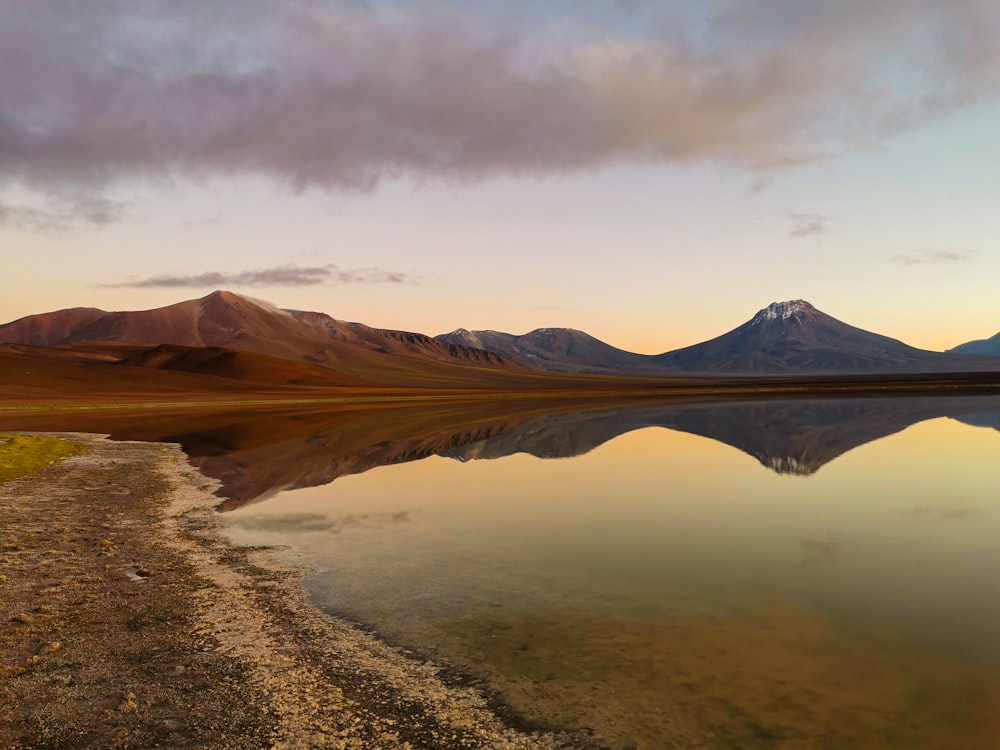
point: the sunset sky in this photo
(647, 172)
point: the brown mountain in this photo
(48, 329)
(224, 319)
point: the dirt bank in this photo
(127, 622)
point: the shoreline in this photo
(721, 387)
(130, 621)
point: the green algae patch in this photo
(26, 454)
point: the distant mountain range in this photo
(231, 320)
(556, 350)
(983, 348)
(785, 338)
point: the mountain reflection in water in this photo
(660, 589)
(257, 453)
(254, 457)
(663, 590)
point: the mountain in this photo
(556, 350)
(48, 328)
(982, 348)
(784, 338)
(227, 320)
(795, 337)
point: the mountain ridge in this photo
(980, 347)
(782, 338)
(228, 320)
(554, 350)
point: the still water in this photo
(799, 575)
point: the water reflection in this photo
(257, 453)
(789, 437)
(981, 418)
(661, 590)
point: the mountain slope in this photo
(224, 319)
(795, 337)
(32, 374)
(982, 348)
(48, 329)
(555, 350)
(247, 367)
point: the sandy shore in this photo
(129, 622)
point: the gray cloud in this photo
(920, 257)
(278, 276)
(62, 215)
(343, 95)
(808, 225)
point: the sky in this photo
(650, 172)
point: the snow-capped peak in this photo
(783, 310)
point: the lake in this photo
(784, 574)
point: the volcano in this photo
(794, 337)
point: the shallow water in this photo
(665, 589)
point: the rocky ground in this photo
(127, 622)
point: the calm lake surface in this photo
(782, 574)
(664, 589)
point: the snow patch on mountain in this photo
(783, 311)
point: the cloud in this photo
(341, 95)
(920, 257)
(62, 215)
(808, 225)
(278, 276)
